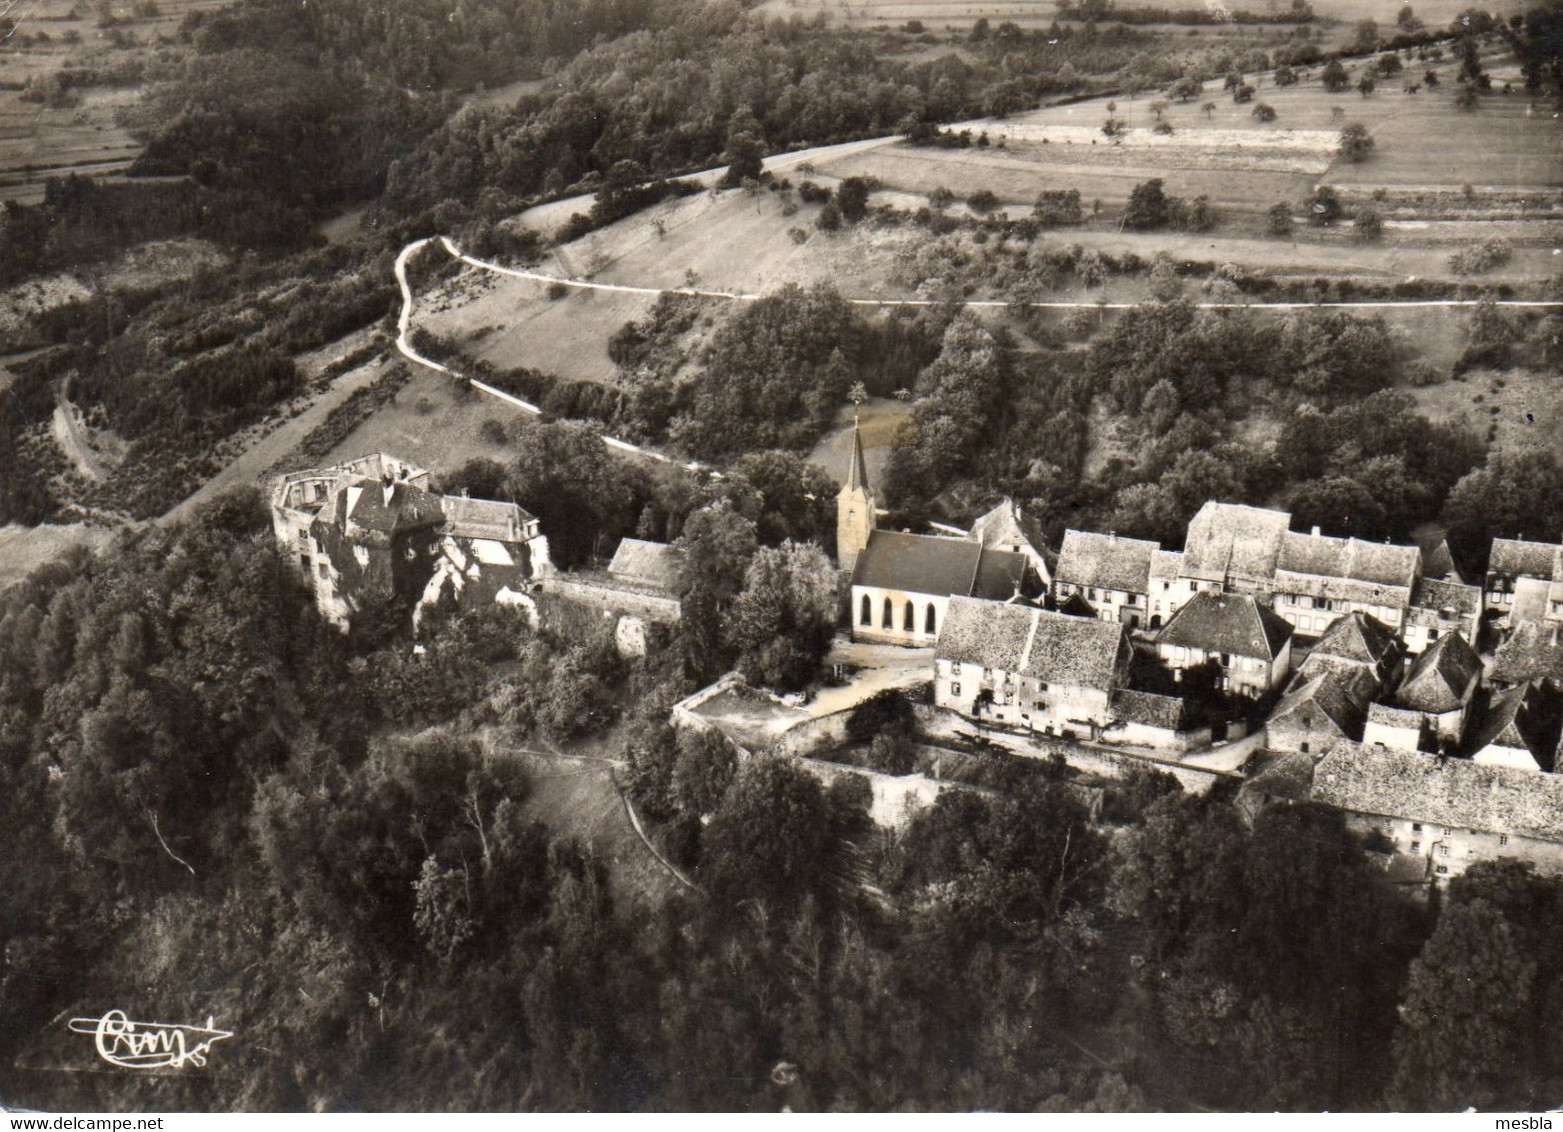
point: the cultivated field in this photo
(38, 141)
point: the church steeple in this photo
(854, 505)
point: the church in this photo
(902, 583)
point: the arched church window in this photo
(931, 621)
(867, 616)
(908, 618)
(887, 621)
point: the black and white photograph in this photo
(781, 556)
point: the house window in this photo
(1432, 634)
(1307, 722)
(908, 618)
(867, 616)
(1503, 839)
(303, 538)
(1416, 847)
(323, 572)
(955, 668)
(888, 619)
(1416, 827)
(1442, 870)
(931, 621)
(1443, 850)
(1304, 748)
(955, 689)
(303, 563)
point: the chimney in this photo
(1315, 532)
(387, 489)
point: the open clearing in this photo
(24, 549)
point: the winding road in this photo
(404, 319)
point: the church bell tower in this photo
(854, 507)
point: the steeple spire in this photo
(857, 471)
(854, 504)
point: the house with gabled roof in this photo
(1319, 712)
(1531, 652)
(902, 584)
(1167, 591)
(1251, 644)
(1008, 528)
(1445, 814)
(1439, 608)
(1231, 548)
(1518, 727)
(1319, 578)
(1364, 641)
(1109, 571)
(1024, 667)
(1524, 582)
(1431, 706)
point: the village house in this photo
(1443, 815)
(1431, 706)
(1440, 608)
(1024, 667)
(1520, 586)
(1531, 652)
(1519, 728)
(1109, 572)
(1007, 528)
(1230, 548)
(1354, 662)
(369, 530)
(1165, 567)
(1150, 719)
(1250, 643)
(1320, 578)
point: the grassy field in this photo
(37, 141)
(24, 549)
(1509, 150)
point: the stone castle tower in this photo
(854, 507)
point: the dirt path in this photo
(70, 433)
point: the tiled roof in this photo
(1166, 565)
(1231, 540)
(1438, 561)
(1151, 709)
(1515, 718)
(1517, 558)
(1531, 652)
(1434, 597)
(924, 564)
(1451, 792)
(1357, 637)
(1530, 599)
(1365, 567)
(1440, 677)
(483, 518)
(1359, 682)
(1051, 647)
(1226, 623)
(1325, 694)
(1006, 525)
(1391, 716)
(654, 564)
(1106, 561)
(1287, 775)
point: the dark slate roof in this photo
(653, 564)
(1440, 676)
(1277, 776)
(1007, 525)
(1151, 709)
(1515, 718)
(1391, 716)
(1364, 567)
(1456, 793)
(1516, 558)
(1531, 652)
(857, 469)
(1047, 646)
(1110, 562)
(925, 564)
(1232, 540)
(1226, 623)
(1438, 561)
(1360, 682)
(408, 507)
(1323, 694)
(1357, 637)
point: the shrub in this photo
(983, 201)
(1368, 225)
(1479, 258)
(1264, 112)
(557, 291)
(1058, 206)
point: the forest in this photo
(320, 840)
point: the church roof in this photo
(1226, 623)
(925, 564)
(1108, 561)
(1232, 540)
(857, 468)
(1439, 679)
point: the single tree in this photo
(1148, 206)
(1279, 219)
(1356, 144)
(1264, 112)
(1334, 76)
